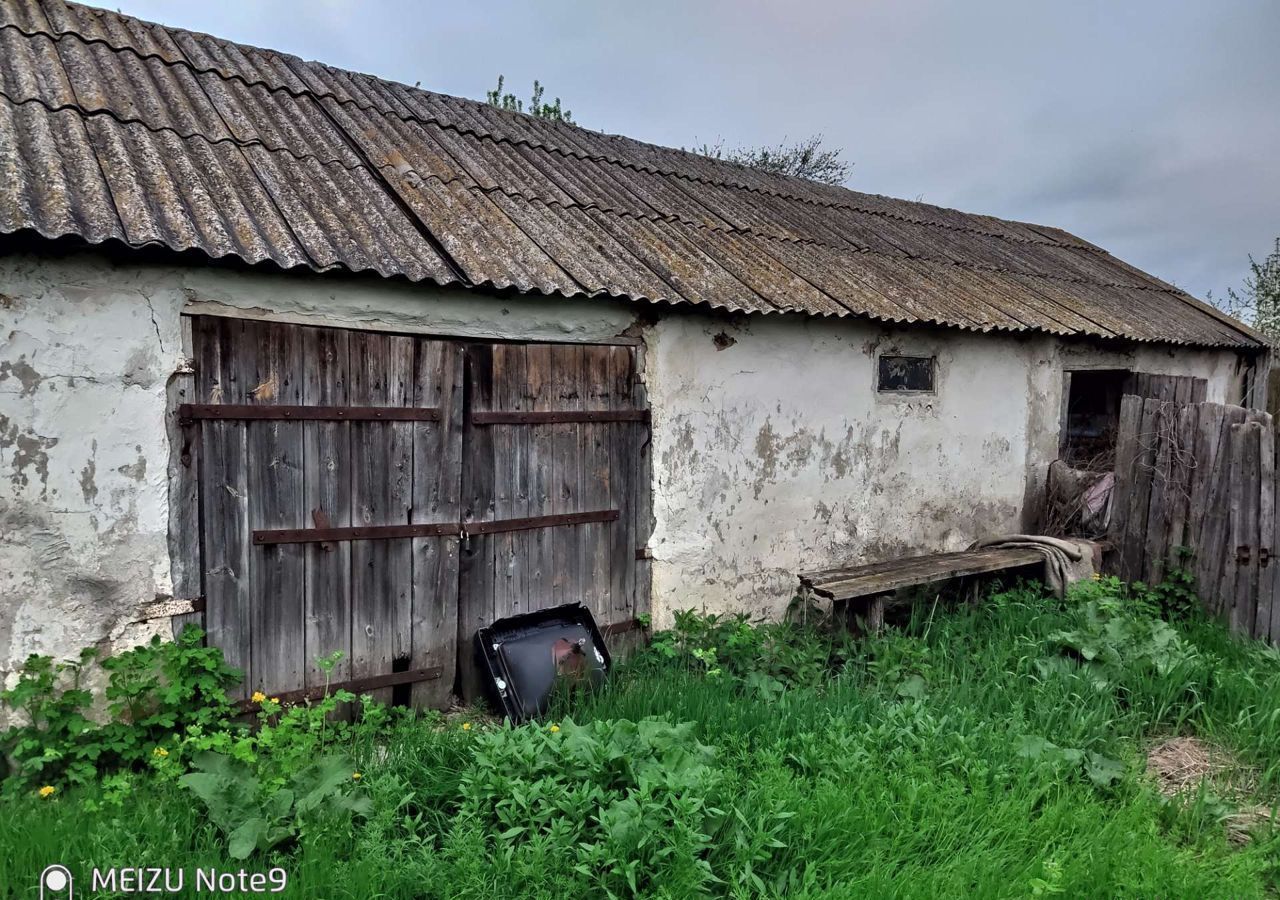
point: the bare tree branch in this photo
(805, 159)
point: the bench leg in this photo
(875, 614)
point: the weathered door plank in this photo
(622, 443)
(475, 599)
(566, 369)
(1126, 472)
(1157, 523)
(1265, 562)
(276, 500)
(538, 379)
(510, 481)
(437, 474)
(328, 498)
(225, 503)
(1140, 495)
(381, 374)
(186, 565)
(596, 393)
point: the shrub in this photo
(152, 692)
(167, 703)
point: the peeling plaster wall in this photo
(86, 349)
(401, 307)
(773, 452)
(84, 356)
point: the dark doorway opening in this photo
(1092, 415)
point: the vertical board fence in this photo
(1199, 479)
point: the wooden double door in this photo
(385, 495)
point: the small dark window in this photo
(905, 373)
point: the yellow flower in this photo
(554, 729)
(258, 697)
(1097, 576)
(356, 776)
(466, 726)
(275, 700)
(47, 790)
(160, 752)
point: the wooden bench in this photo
(875, 580)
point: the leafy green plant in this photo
(162, 684)
(901, 663)
(254, 817)
(1173, 599)
(761, 659)
(1117, 635)
(52, 743)
(285, 739)
(628, 802)
(1103, 771)
(153, 691)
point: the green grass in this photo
(917, 770)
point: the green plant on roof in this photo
(537, 108)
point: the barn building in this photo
(325, 362)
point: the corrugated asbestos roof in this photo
(114, 128)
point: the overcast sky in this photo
(1150, 127)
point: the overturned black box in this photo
(524, 658)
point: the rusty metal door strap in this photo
(461, 530)
(558, 416)
(190, 412)
(355, 686)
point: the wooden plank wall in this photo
(403, 604)
(328, 489)
(1170, 388)
(437, 491)
(1199, 478)
(388, 605)
(271, 367)
(382, 458)
(519, 470)
(475, 582)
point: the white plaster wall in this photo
(776, 454)
(86, 350)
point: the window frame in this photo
(932, 390)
